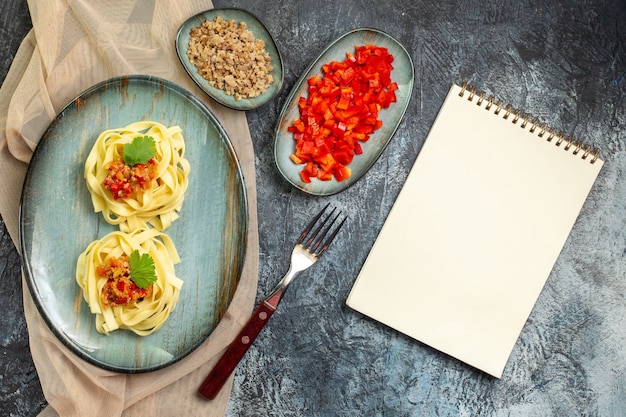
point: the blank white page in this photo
(474, 232)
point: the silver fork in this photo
(311, 244)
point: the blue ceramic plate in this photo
(57, 222)
(259, 31)
(284, 145)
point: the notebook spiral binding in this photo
(524, 120)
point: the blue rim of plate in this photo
(173, 341)
(256, 26)
(284, 144)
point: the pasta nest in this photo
(144, 316)
(157, 206)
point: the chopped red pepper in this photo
(341, 111)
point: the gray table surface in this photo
(563, 61)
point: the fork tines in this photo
(319, 234)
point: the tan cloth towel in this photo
(73, 45)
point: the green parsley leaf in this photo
(142, 271)
(139, 151)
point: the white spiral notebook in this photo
(476, 230)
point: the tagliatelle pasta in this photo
(157, 205)
(146, 314)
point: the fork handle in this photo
(216, 379)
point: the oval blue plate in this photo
(57, 222)
(259, 31)
(402, 74)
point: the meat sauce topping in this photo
(124, 181)
(119, 289)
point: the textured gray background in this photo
(563, 61)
